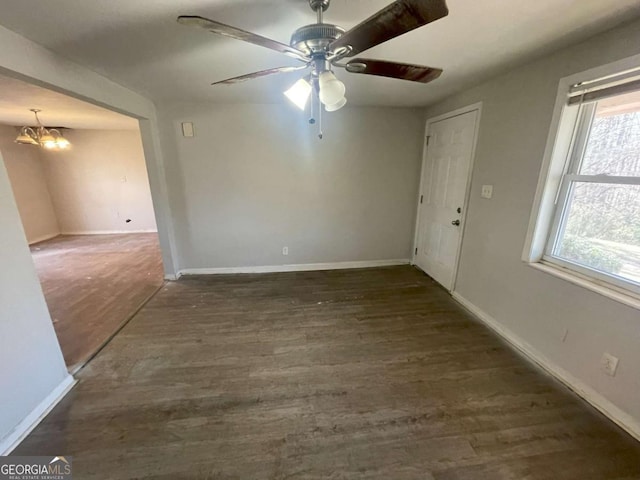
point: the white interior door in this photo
(446, 170)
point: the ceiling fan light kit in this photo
(332, 90)
(49, 138)
(299, 93)
(336, 106)
(322, 46)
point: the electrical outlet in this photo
(285, 250)
(487, 191)
(609, 364)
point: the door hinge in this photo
(428, 138)
(416, 251)
(421, 197)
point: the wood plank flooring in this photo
(358, 374)
(93, 283)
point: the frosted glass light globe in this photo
(332, 90)
(299, 93)
(336, 106)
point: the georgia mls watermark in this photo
(35, 468)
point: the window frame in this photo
(571, 177)
(559, 156)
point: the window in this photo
(595, 226)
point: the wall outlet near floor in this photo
(487, 191)
(609, 364)
(285, 250)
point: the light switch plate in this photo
(487, 191)
(187, 129)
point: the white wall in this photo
(26, 172)
(31, 364)
(256, 178)
(534, 306)
(100, 183)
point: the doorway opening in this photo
(87, 214)
(447, 166)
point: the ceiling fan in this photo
(322, 46)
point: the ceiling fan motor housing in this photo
(315, 38)
(319, 4)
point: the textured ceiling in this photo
(17, 97)
(139, 44)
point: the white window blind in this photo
(598, 89)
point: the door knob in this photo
(456, 223)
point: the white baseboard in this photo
(106, 232)
(301, 267)
(596, 399)
(43, 238)
(31, 421)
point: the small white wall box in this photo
(187, 129)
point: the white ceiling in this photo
(139, 44)
(17, 97)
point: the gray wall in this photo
(28, 180)
(31, 364)
(256, 178)
(100, 183)
(537, 307)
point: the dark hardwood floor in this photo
(358, 374)
(94, 283)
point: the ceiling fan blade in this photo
(402, 71)
(400, 17)
(238, 34)
(262, 73)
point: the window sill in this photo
(628, 299)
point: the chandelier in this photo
(49, 138)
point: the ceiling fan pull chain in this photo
(312, 103)
(319, 120)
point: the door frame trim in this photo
(477, 107)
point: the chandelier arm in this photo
(29, 131)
